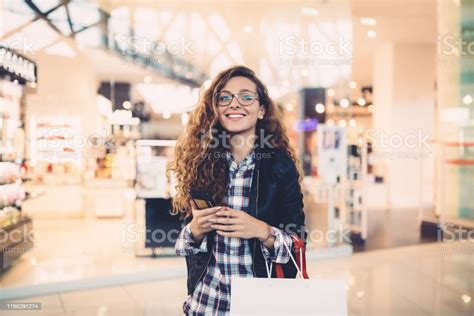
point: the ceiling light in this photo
(330, 122)
(467, 99)
(371, 34)
(166, 115)
(248, 29)
(342, 123)
(289, 107)
(352, 123)
(319, 108)
(147, 79)
(331, 92)
(361, 101)
(466, 298)
(368, 21)
(127, 105)
(352, 84)
(344, 103)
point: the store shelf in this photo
(11, 248)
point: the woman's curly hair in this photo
(196, 164)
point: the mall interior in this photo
(376, 96)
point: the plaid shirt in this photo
(233, 257)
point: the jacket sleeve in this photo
(185, 245)
(291, 206)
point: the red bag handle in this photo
(300, 253)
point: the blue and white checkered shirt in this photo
(211, 295)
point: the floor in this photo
(395, 228)
(427, 279)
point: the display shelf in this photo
(13, 244)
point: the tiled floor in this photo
(428, 279)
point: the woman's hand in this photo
(233, 223)
(201, 222)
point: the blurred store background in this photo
(377, 97)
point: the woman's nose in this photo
(234, 103)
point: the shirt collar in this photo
(245, 163)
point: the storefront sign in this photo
(17, 66)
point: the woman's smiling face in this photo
(236, 118)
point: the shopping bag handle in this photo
(269, 269)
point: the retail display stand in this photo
(157, 191)
(16, 235)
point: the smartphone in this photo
(201, 199)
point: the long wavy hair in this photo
(198, 162)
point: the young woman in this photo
(235, 148)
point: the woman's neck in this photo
(241, 145)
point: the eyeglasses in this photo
(246, 98)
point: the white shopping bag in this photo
(267, 296)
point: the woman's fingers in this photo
(227, 228)
(228, 234)
(227, 212)
(206, 211)
(224, 220)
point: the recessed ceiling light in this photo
(371, 34)
(166, 115)
(361, 101)
(127, 105)
(319, 108)
(344, 103)
(289, 107)
(467, 99)
(352, 84)
(368, 21)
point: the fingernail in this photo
(218, 208)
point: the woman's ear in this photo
(261, 112)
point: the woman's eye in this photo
(224, 98)
(246, 97)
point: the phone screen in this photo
(202, 204)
